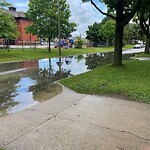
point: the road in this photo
(134, 50)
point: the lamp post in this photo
(59, 46)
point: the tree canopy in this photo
(102, 32)
(108, 31)
(93, 33)
(8, 26)
(44, 15)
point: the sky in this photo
(84, 14)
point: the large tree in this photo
(44, 15)
(144, 17)
(8, 26)
(122, 11)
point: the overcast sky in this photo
(84, 14)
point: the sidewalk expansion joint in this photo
(71, 105)
(29, 131)
(107, 128)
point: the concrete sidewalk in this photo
(72, 121)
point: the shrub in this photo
(78, 42)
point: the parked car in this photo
(140, 45)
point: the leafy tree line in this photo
(104, 32)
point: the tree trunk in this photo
(95, 44)
(147, 46)
(49, 45)
(117, 61)
(8, 45)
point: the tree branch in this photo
(102, 11)
(129, 16)
(142, 25)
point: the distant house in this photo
(22, 22)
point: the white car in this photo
(138, 45)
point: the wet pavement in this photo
(72, 121)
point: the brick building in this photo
(22, 22)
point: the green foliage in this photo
(102, 32)
(93, 33)
(4, 3)
(108, 31)
(44, 15)
(130, 80)
(142, 55)
(78, 42)
(8, 26)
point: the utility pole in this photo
(59, 46)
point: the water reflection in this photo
(27, 83)
(8, 92)
(98, 59)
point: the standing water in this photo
(26, 83)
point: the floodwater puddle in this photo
(27, 83)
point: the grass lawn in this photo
(131, 80)
(142, 55)
(30, 54)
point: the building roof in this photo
(16, 14)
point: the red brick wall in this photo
(24, 38)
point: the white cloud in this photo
(84, 14)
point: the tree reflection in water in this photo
(45, 78)
(98, 59)
(37, 82)
(8, 92)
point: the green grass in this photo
(131, 80)
(30, 54)
(2, 149)
(142, 55)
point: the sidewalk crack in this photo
(107, 128)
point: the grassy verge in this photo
(30, 54)
(130, 80)
(142, 55)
